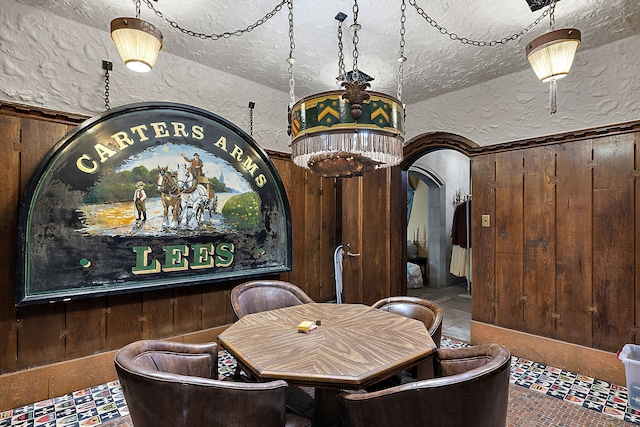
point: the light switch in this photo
(486, 221)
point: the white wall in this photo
(55, 63)
(602, 88)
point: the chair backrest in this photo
(263, 295)
(421, 309)
(175, 384)
(476, 393)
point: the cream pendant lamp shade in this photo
(551, 54)
(138, 43)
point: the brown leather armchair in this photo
(428, 312)
(263, 295)
(175, 384)
(471, 388)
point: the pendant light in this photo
(349, 132)
(551, 55)
(138, 42)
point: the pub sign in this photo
(148, 196)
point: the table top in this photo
(354, 347)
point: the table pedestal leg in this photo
(327, 412)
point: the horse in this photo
(195, 200)
(170, 193)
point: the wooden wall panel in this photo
(283, 167)
(398, 230)
(38, 137)
(613, 241)
(327, 284)
(297, 200)
(157, 314)
(636, 174)
(123, 320)
(483, 192)
(539, 241)
(509, 239)
(85, 327)
(312, 231)
(41, 336)
(376, 276)
(216, 306)
(187, 309)
(352, 239)
(573, 243)
(9, 196)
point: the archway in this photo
(443, 187)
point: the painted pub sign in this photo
(149, 196)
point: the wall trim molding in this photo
(45, 382)
(427, 142)
(571, 357)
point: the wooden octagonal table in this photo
(354, 347)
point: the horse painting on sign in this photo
(170, 195)
(196, 199)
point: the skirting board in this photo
(571, 357)
(44, 382)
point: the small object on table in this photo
(307, 326)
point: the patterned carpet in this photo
(104, 404)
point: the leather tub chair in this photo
(470, 388)
(263, 295)
(170, 384)
(428, 312)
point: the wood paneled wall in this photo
(560, 257)
(44, 334)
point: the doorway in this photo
(443, 169)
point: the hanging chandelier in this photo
(138, 42)
(551, 55)
(349, 132)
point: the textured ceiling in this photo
(436, 63)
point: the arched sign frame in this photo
(82, 234)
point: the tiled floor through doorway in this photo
(456, 303)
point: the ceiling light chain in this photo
(341, 71)
(291, 60)
(137, 3)
(106, 66)
(226, 34)
(552, 17)
(401, 58)
(355, 27)
(482, 43)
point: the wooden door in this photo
(374, 236)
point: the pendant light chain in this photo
(226, 34)
(106, 91)
(482, 43)
(355, 28)
(341, 72)
(291, 60)
(553, 84)
(251, 107)
(401, 58)
(137, 2)
(106, 66)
